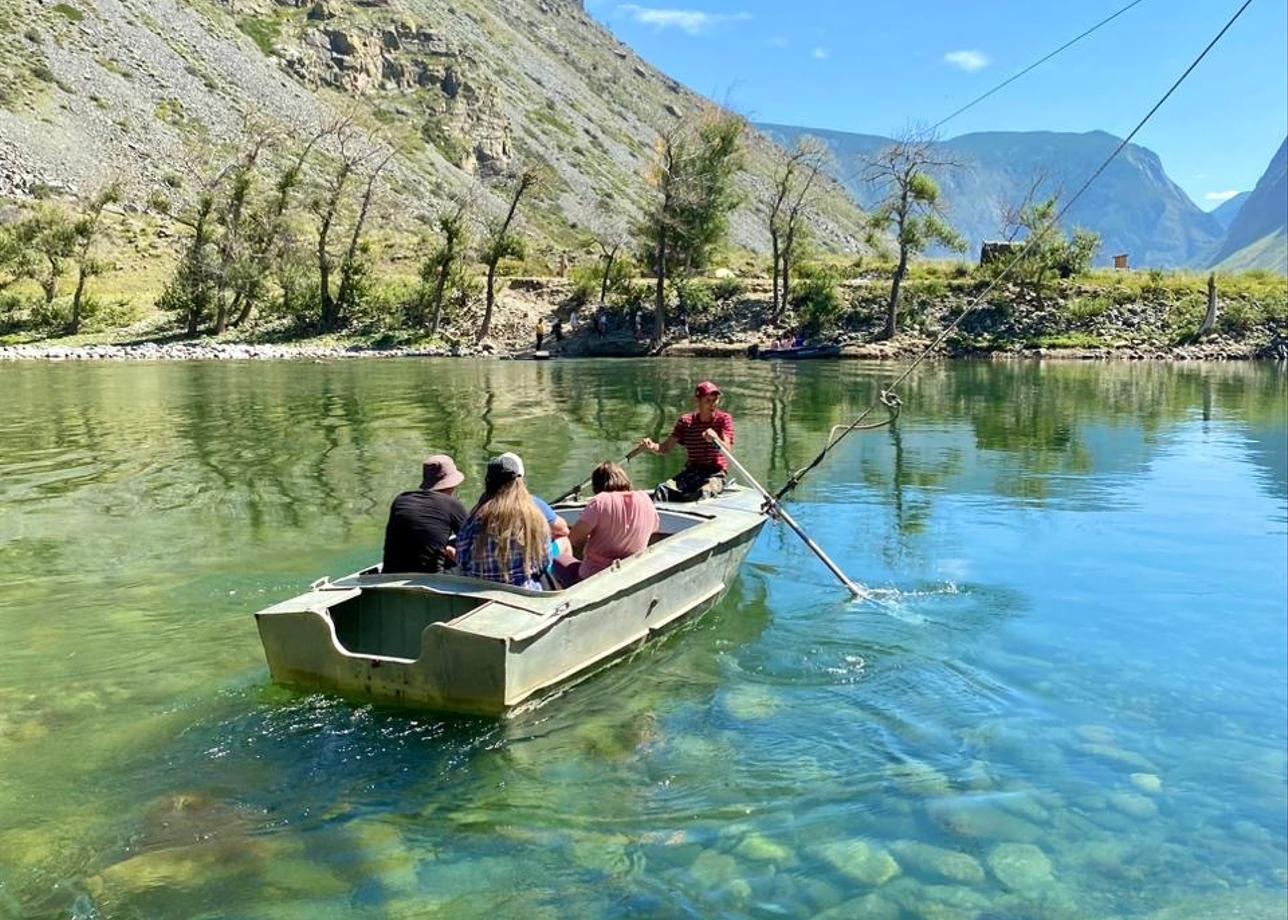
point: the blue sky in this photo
(874, 66)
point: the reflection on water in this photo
(1070, 700)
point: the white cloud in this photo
(821, 54)
(1221, 196)
(691, 21)
(968, 60)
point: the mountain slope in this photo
(465, 90)
(1133, 205)
(1258, 237)
(1228, 210)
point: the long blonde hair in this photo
(508, 515)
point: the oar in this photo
(776, 510)
(585, 482)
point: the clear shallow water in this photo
(1071, 700)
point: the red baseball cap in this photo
(706, 388)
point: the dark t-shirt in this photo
(420, 523)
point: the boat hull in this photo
(804, 353)
(458, 644)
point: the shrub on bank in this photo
(815, 296)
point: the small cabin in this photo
(997, 250)
(1120, 261)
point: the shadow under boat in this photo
(459, 644)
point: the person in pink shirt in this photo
(617, 522)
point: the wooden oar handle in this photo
(634, 452)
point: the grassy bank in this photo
(1101, 310)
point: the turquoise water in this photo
(1068, 701)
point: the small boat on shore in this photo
(799, 352)
(466, 645)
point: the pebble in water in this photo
(937, 862)
(1020, 866)
(860, 860)
(1147, 782)
(1134, 805)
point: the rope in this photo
(1038, 63)
(887, 393)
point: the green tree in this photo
(692, 174)
(795, 183)
(85, 231)
(190, 291)
(442, 272)
(1047, 253)
(911, 209)
(49, 237)
(501, 242)
(234, 264)
(610, 238)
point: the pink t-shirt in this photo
(620, 524)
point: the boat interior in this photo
(388, 620)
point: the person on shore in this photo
(541, 332)
(616, 523)
(506, 538)
(423, 522)
(557, 329)
(704, 472)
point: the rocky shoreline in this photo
(901, 349)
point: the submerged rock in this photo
(982, 821)
(938, 862)
(1147, 782)
(750, 703)
(712, 869)
(1095, 734)
(860, 860)
(604, 853)
(913, 777)
(871, 906)
(1020, 866)
(760, 848)
(1134, 805)
(1118, 756)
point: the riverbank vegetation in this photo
(274, 243)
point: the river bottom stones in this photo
(1020, 867)
(860, 860)
(937, 862)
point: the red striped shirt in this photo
(702, 453)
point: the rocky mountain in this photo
(1258, 236)
(1228, 210)
(1133, 205)
(144, 91)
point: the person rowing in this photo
(704, 472)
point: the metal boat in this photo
(463, 644)
(800, 353)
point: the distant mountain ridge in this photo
(1228, 210)
(1134, 206)
(1258, 235)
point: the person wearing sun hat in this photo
(704, 472)
(423, 522)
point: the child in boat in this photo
(703, 475)
(617, 522)
(507, 537)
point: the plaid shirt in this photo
(487, 565)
